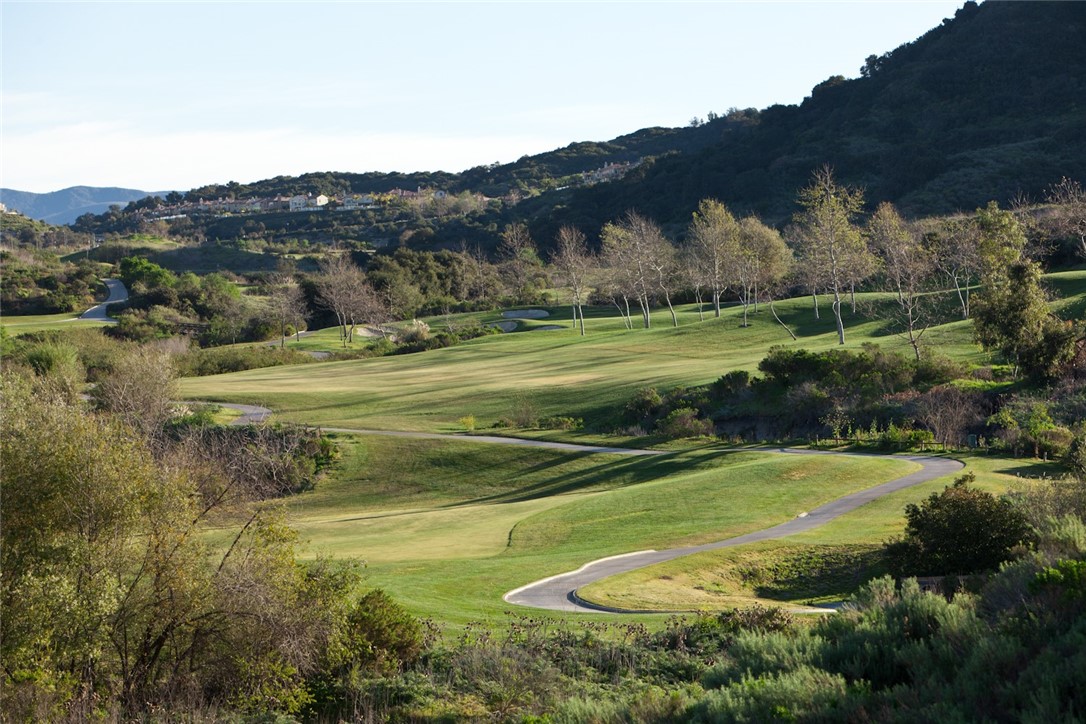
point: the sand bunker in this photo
(526, 314)
(505, 326)
(546, 328)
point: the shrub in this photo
(1076, 453)
(561, 423)
(684, 422)
(201, 362)
(524, 413)
(646, 403)
(960, 530)
(468, 422)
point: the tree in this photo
(1012, 316)
(573, 263)
(520, 264)
(714, 241)
(639, 261)
(762, 260)
(948, 411)
(827, 240)
(343, 289)
(1000, 242)
(1070, 202)
(909, 268)
(958, 531)
(956, 247)
(286, 305)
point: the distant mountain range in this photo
(66, 205)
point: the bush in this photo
(201, 362)
(1076, 453)
(646, 403)
(960, 530)
(684, 422)
(561, 423)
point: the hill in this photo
(986, 106)
(66, 205)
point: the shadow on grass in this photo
(817, 572)
(607, 475)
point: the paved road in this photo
(559, 593)
(117, 293)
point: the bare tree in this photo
(956, 245)
(520, 263)
(714, 238)
(948, 411)
(1070, 200)
(343, 289)
(573, 263)
(909, 268)
(827, 239)
(640, 261)
(286, 305)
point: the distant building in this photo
(352, 202)
(307, 203)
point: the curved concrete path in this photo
(117, 294)
(559, 593)
(254, 414)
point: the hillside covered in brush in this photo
(986, 106)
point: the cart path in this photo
(117, 294)
(559, 593)
(254, 414)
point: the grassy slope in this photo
(448, 527)
(565, 374)
(777, 571)
(43, 322)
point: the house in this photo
(352, 202)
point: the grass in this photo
(26, 324)
(447, 527)
(588, 377)
(819, 566)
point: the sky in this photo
(172, 95)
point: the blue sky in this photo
(172, 95)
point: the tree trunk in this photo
(814, 296)
(837, 317)
(852, 292)
(674, 319)
(580, 313)
(716, 303)
(786, 329)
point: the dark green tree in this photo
(1012, 316)
(958, 531)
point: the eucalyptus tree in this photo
(573, 264)
(714, 241)
(827, 240)
(761, 260)
(638, 259)
(909, 267)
